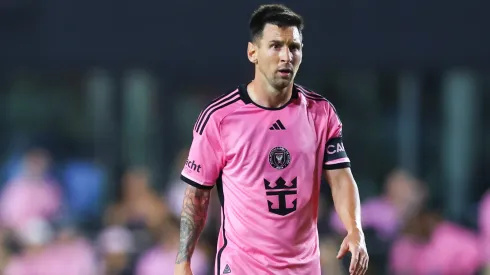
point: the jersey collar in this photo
(247, 100)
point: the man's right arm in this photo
(192, 221)
(201, 172)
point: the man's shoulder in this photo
(218, 108)
(309, 93)
(313, 97)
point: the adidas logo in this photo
(277, 126)
(227, 270)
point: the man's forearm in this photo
(192, 221)
(346, 199)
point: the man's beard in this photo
(280, 83)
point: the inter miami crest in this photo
(279, 158)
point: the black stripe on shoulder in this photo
(212, 103)
(308, 91)
(310, 94)
(232, 98)
(316, 97)
(224, 104)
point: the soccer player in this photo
(265, 145)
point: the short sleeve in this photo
(335, 156)
(205, 161)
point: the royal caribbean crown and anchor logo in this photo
(281, 189)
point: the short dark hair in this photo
(274, 14)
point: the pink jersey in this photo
(267, 166)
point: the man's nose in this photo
(286, 55)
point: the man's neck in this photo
(267, 96)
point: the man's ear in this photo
(252, 52)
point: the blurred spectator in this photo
(72, 253)
(83, 183)
(160, 260)
(116, 247)
(31, 194)
(34, 237)
(139, 209)
(432, 245)
(67, 255)
(386, 214)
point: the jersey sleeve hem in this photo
(336, 166)
(195, 184)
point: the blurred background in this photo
(98, 100)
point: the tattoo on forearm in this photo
(192, 221)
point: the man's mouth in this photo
(286, 71)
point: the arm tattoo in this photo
(192, 221)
